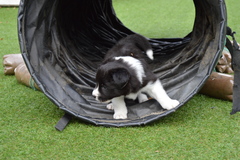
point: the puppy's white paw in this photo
(110, 106)
(170, 104)
(142, 98)
(120, 116)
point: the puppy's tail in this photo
(143, 44)
(149, 53)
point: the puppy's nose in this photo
(94, 96)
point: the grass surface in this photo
(201, 129)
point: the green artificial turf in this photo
(201, 129)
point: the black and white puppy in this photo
(124, 73)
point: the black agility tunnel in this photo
(63, 43)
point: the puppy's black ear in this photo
(120, 77)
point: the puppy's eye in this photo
(103, 86)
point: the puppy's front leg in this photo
(157, 92)
(119, 107)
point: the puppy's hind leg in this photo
(157, 92)
(142, 97)
(119, 107)
(110, 106)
